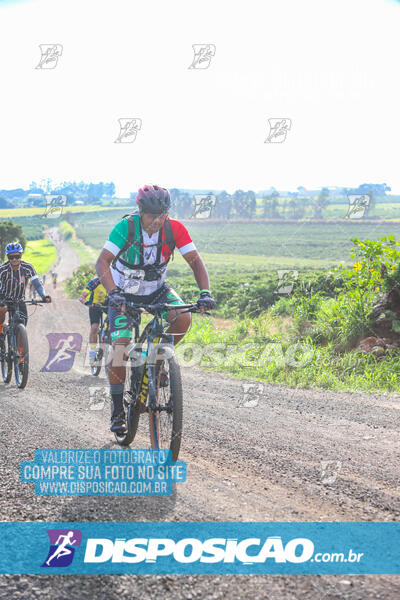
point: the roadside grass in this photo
(249, 351)
(86, 253)
(42, 254)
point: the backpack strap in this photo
(169, 236)
(130, 241)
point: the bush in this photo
(66, 230)
(75, 284)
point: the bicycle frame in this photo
(17, 352)
(14, 317)
(152, 334)
(145, 393)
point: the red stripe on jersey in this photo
(181, 237)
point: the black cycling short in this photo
(94, 314)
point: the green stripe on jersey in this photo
(119, 235)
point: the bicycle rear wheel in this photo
(166, 422)
(5, 357)
(21, 356)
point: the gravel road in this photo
(298, 455)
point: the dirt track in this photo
(244, 464)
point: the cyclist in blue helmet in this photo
(14, 276)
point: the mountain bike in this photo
(14, 349)
(148, 357)
(104, 344)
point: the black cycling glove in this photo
(206, 300)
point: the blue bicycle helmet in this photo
(13, 248)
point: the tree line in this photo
(242, 204)
(293, 205)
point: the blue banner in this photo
(223, 548)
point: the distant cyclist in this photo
(94, 295)
(54, 279)
(14, 276)
(134, 260)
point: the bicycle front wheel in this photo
(166, 420)
(131, 407)
(95, 367)
(21, 356)
(5, 357)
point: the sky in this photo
(329, 67)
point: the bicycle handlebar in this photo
(4, 301)
(167, 307)
(160, 306)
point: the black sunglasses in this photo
(14, 256)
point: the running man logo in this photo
(203, 54)
(50, 55)
(358, 205)
(63, 543)
(128, 129)
(330, 469)
(286, 280)
(203, 205)
(63, 347)
(131, 281)
(251, 394)
(54, 206)
(278, 129)
(98, 397)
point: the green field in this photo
(265, 245)
(33, 226)
(42, 254)
(7, 213)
